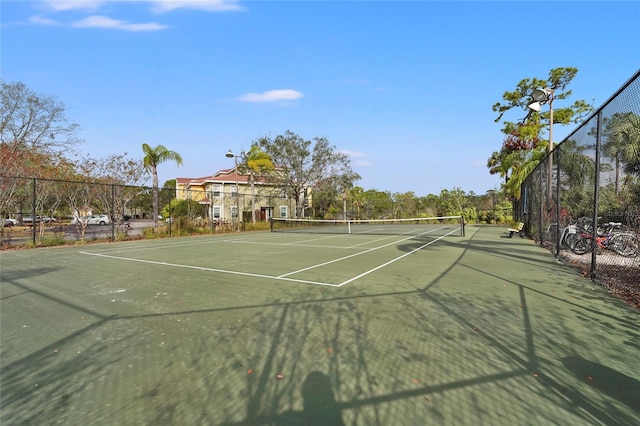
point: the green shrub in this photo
(52, 240)
(258, 226)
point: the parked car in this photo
(10, 222)
(92, 219)
(45, 219)
(29, 219)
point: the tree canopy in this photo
(524, 145)
(301, 164)
(29, 120)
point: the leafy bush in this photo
(183, 208)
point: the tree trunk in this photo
(253, 200)
(155, 198)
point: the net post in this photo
(462, 226)
(349, 227)
(271, 224)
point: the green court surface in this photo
(312, 329)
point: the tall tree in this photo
(34, 121)
(256, 163)
(525, 135)
(302, 164)
(622, 143)
(378, 204)
(153, 157)
(357, 200)
(34, 131)
(621, 136)
(123, 177)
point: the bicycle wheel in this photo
(570, 240)
(625, 244)
(569, 235)
(581, 245)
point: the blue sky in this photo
(405, 88)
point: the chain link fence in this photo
(39, 212)
(583, 200)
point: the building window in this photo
(234, 212)
(216, 192)
(216, 212)
(283, 211)
(234, 191)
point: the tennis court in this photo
(419, 325)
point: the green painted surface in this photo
(240, 330)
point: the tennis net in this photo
(445, 225)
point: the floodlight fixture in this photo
(545, 96)
(535, 106)
(541, 95)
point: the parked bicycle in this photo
(568, 234)
(609, 236)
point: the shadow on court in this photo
(607, 380)
(501, 334)
(319, 405)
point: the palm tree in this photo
(357, 199)
(629, 132)
(152, 158)
(496, 165)
(257, 162)
(616, 141)
(523, 163)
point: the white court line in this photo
(283, 277)
(380, 239)
(396, 259)
(316, 239)
(364, 252)
(264, 243)
(304, 243)
(201, 268)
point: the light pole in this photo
(230, 154)
(540, 97)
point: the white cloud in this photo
(98, 21)
(359, 158)
(206, 5)
(62, 5)
(353, 154)
(272, 96)
(39, 20)
(156, 5)
(101, 21)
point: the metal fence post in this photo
(33, 212)
(596, 196)
(556, 162)
(113, 212)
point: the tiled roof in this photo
(222, 176)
